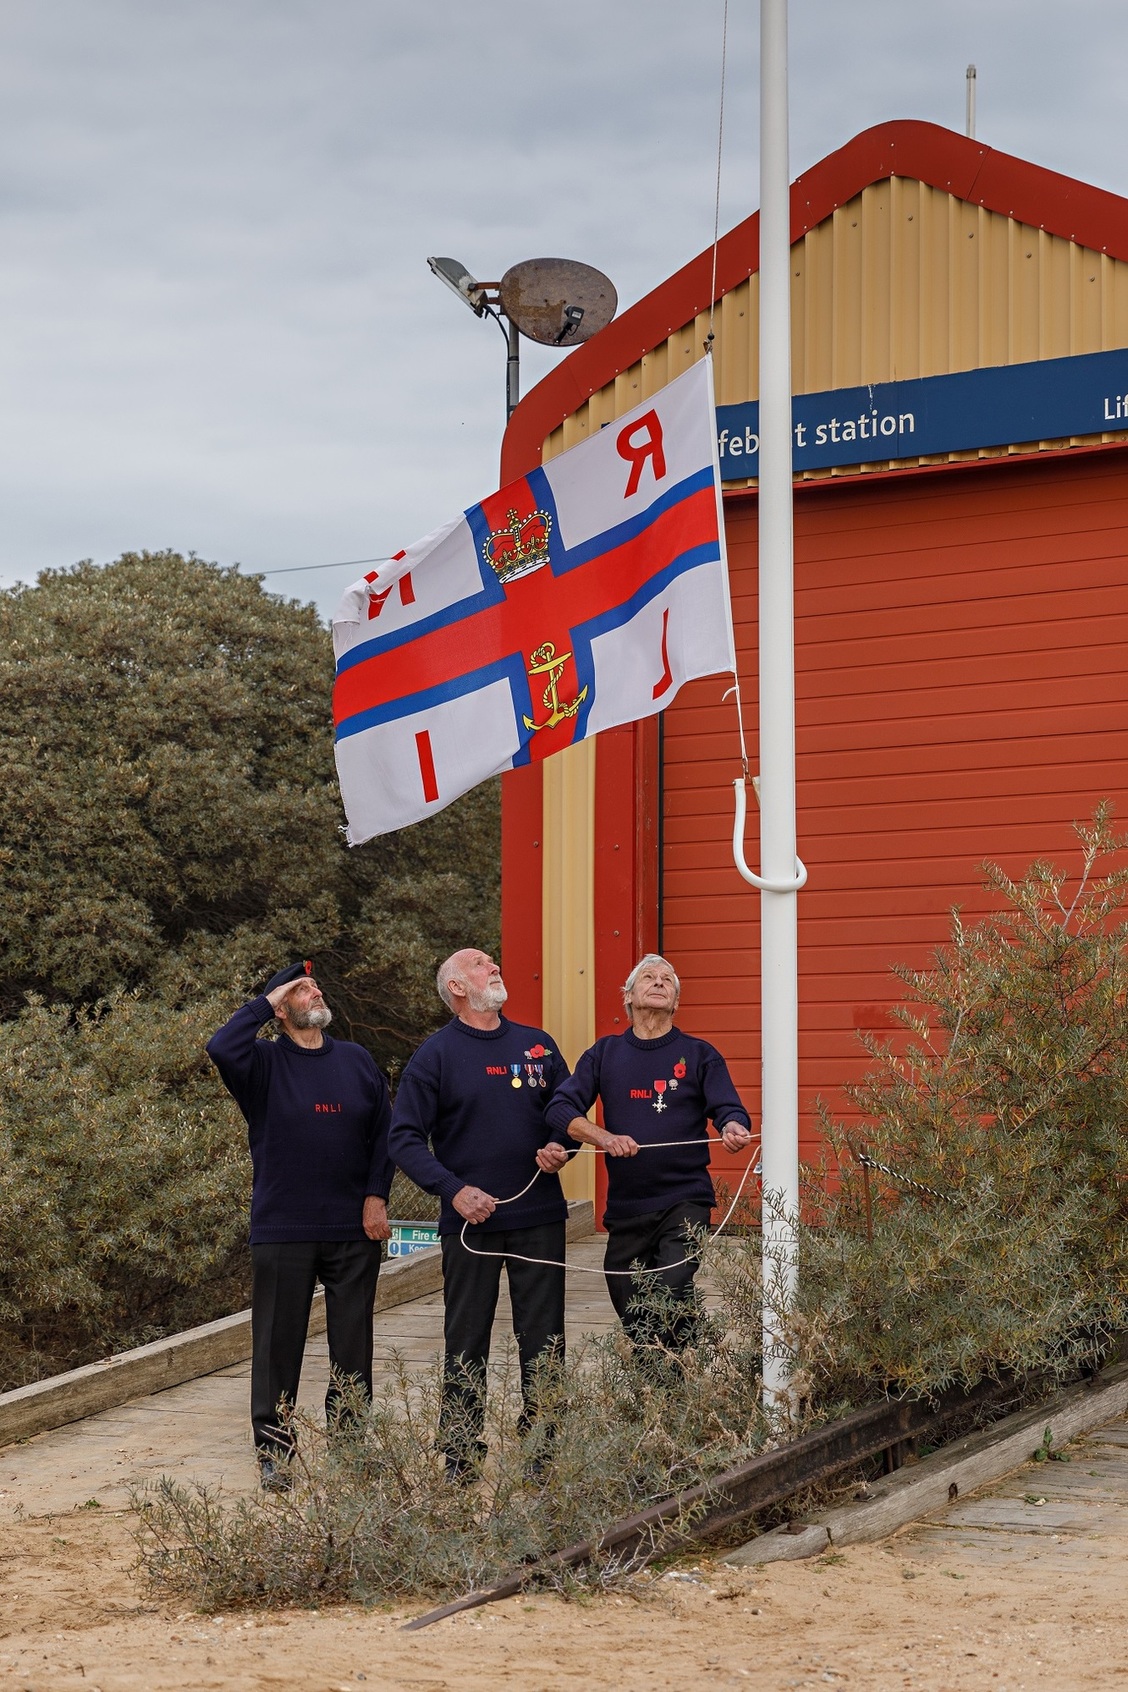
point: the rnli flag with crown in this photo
(580, 597)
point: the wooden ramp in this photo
(1069, 1516)
(200, 1431)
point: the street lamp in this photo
(556, 302)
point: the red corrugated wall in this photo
(962, 694)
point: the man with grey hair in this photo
(469, 1125)
(657, 1085)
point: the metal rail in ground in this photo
(719, 1503)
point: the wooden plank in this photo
(939, 1480)
(977, 1460)
(78, 1393)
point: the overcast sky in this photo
(218, 330)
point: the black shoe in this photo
(461, 1471)
(274, 1474)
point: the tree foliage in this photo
(123, 1182)
(172, 818)
(171, 836)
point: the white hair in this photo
(628, 984)
(447, 973)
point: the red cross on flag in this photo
(580, 597)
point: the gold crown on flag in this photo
(520, 547)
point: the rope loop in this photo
(582, 1269)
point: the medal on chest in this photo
(662, 1086)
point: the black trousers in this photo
(470, 1292)
(284, 1277)
(653, 1241)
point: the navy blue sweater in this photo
(653, 1090)
(479, 1096)
(317, 1121)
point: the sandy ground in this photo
(923, 1612)
(1022, 1587)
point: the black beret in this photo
(294, 973)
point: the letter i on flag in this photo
(580, 597)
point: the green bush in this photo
(1008, 1094)
(373, 1517)
(123, 1183)
(172, 819)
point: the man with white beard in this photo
(469, 1126)
(317, 1114)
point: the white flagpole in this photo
(778, 910)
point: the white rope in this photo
(713, 312)
(581, 1268)
(717, 199)
(735, 689)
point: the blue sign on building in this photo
(1007, 405)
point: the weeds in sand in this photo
(372, 1515)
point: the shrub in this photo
(124, 1183)
(172, 820)
(372, 1516)
(1007, 1093)
(170, 836)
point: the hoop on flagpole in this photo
(750, 876)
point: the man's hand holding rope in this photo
(473, 1204)
(552, 1157)
(734, 1136)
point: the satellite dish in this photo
(557, 301)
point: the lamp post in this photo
(477, 296)
(555, 302)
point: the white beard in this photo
(491, 998)
(316, 1017)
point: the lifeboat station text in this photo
(1050, 399)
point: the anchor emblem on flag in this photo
(544, 662)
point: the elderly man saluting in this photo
(469, 1125)
(656, 1084)
(317, 1115)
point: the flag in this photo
(577, 598)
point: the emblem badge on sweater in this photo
(535, 1071)
(660, 1086)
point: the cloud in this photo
(219, 332)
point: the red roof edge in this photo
(925, 152)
